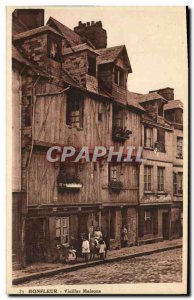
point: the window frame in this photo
(148, 178)
(150, 138)
(160, 183)
(162, 144)
(179, 149)
(178, 183)
(100, 112)
(118, 117)
(75, 109)
(114, 172)
(61, 229)
(92, 65)
(54, 39)
(119, 77)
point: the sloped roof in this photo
(34, 31)
(20, 58)
(133, 102)
(72, 37)
(17, 56)
(23, 60)
(109, 55)
(150, 97)
(77, 48)
(172, 104)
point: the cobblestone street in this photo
(159, 267)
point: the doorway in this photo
(165, 225)
(36, 240)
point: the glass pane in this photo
(58, 222)
(58, 232)
(65, 222)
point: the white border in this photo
(3, 4)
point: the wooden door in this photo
(165, 225)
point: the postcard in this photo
(97, 150)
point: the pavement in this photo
(41, 270)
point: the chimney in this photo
(167, 93)
(27, 19)
(93, 32)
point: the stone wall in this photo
(35, 48)
(76, 65)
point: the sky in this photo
(155, 38)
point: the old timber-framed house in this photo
(69, 88)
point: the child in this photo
(102, 249)
(60, 251)
(71, 257)
(85, 249)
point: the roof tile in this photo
(172, 104)
(72, 37)
(108, 55)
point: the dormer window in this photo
(160, 144)
(54, 48)
(92, 65)
(161, 109)
(119, 77)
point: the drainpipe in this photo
(32, 145)
(20, 103)
(22, 254)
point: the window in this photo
(118, 117)
(119, 77)
(100, 112)
(114, 172)
(91, 65)
(148, 137)
(174, 183)
(62, 229)
(178, 183)
(148, 218)
(69, 171)
(161, 179)
(161, 109)
(179, 147)
(147, 178)
(74, 109)
(160, 144)
(54, 48)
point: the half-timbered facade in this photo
(71, 90)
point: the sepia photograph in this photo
(98, 163)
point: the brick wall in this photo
(76, 65)
(35, 48)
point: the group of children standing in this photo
(88, 249)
